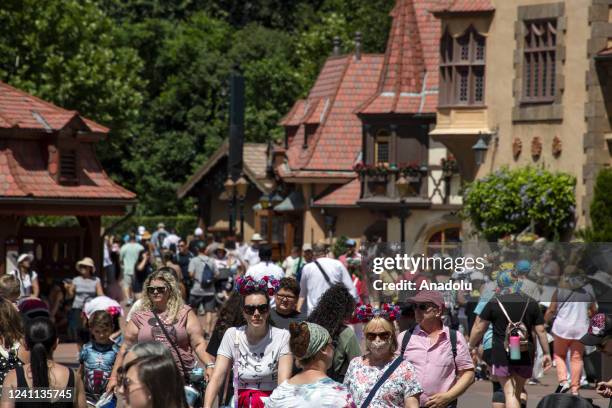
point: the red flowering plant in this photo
(449, 165)
(365, 312)
(378, 169)
(411, 169)
(247, 285)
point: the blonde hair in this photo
(9, 287)
(175, 300)
(387, 325)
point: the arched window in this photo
(445, 240)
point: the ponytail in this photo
(38, 363)
(40, 339)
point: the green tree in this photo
(68, 52)
(508, 201)
(601, 209)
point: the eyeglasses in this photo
(250, 309)
(384, 336)
(156, 289)
(285, 297)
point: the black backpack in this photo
(208, 273)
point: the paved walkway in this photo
(479, 395)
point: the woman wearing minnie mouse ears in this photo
(258, 352)
(380, 378)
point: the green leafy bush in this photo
(184, 224)
(508, 201)
(601, 210)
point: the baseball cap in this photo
(23, 257)
(523, 267)
(307, 247)
(428, 296)
(161, 225)
(198, 232)
(141, 230)
(256, 237)
(600, 327)
(350, 242)
(31, 308)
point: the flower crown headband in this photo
(365, 313)
(248, 285)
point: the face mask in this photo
(377, 346)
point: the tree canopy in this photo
(156, 72)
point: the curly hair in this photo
(12, 326)
(335, 306)
(230, 315)
(175, 300)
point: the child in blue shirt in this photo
(98, 356)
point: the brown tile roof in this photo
(409, 79)
(464, 6)
(344, 196)
(24, 111)
(255, 159)
(24, 174)
(343, 84)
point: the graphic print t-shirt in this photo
(257, 364)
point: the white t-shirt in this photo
(572, 321)
(313, 284)
(251, 256)
(258, 271)
(25, 283)
(257, 364)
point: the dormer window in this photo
(382, 152)
(68, 166)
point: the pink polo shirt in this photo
(433, 363)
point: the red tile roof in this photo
(344, 196)
(24, 169)
(24, 174)
(24, 111)
(409, 80)
(464, 6)
(343, 84)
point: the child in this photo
(98, 356)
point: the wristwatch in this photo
(210, 365)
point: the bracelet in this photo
(210, 365)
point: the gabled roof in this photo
(24, 174)
(24, 111)
(255, 156)
(408, 83)
(343, 84)
(464, 6)
(344, 196)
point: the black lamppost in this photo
(403, 188)
(236, 191)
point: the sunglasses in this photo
(384, 336)
(285, 297)
(424, 306)
(250, 309)
(156, 289)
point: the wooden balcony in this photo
(430, 186)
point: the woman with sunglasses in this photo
(312, 346)
(401, 388)
(151, 381)
(181, 332)
(258, 352)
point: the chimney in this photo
(336, 46)
(358, 45)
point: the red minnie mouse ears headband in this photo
(246, 286)
(365, 313)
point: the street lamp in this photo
(480, 150)
(229, 191)
(403, 188)
(241, 186)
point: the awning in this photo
(294, 202)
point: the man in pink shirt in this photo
(441, 358)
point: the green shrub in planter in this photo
(508, 201)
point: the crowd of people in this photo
(167, 314)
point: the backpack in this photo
(519, 327)
(208, 274)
